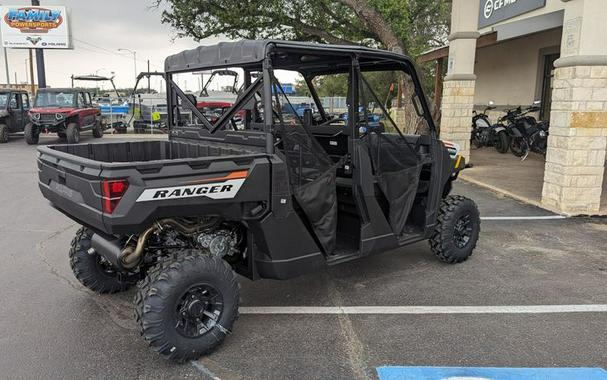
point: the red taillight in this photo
(112, 192)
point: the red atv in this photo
(66, 112)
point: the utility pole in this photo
(7, 72)
(40, 59)
(32, 85)
(134, 58)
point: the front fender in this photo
(499, 128)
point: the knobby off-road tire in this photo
(3, 133)
(93, 271)
(98, 130)
(32, 134)
(457, 229)
(182, 288)
(502, 142)
(72, 133)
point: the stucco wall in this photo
(509, 73)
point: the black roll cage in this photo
(265, 81)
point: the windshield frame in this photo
(72, 104)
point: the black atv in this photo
(275, 196)
(14, 106)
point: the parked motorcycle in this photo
(485, 134)
(527, 134)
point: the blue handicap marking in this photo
(471, 373)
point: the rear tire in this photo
(3, 133)
(32, 134)
(92, 270)
(98, 130)
(457, 229)
(72, 133)
(502, 142)
(182, 296)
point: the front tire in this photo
(457, 230)
(92, 270)
(502, 142)
(98, 130)
(72, 133)
(3, 133)
(186, 305)
(32, 134)
(518, 146)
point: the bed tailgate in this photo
(72, 185)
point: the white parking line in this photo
(520, 309)
(545, 217)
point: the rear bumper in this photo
(72, 205)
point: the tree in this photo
(405, 26)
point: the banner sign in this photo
(494, 11)
(25, 27)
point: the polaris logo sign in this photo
(220, 190)
(494, 11)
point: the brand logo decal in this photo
(488, 8)
(34, 40)
(33, 20)
(217, 190)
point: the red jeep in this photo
(66, 112)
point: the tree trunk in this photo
(376, 23)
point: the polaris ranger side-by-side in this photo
(65, 111)
(274, 196)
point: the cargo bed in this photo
(72, 176)
(145, 151)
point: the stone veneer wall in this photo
(578, 139)
(456, 120)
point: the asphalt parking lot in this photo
(52, 327)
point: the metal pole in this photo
(135, 62)
(149, 87)
(7, 71)
(40, 59)
(32, 85)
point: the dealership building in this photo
(514, 52)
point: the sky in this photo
(99, 29)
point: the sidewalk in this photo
(508, 175)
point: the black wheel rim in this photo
(462, 233)
(198, 310)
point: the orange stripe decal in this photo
(233, 175)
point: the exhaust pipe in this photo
(112, 251)
(129, 257)
(109, 249)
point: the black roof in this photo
(7, 90)
(65, 89)
(252, 53)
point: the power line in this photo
(114, 52)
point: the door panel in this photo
(16, 111)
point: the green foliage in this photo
(419, 24)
